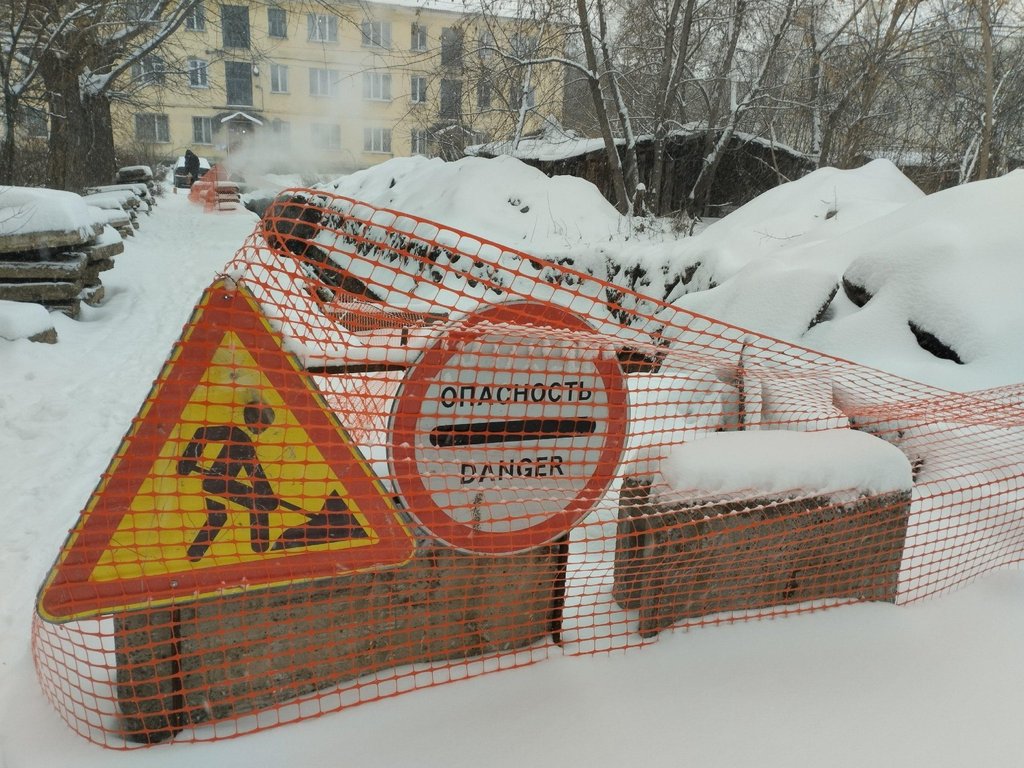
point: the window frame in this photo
(238, 67)
(418, 37)
(330, 131)
(375, 33)
(232, 37)
(35, 122)
(282, 130)
(418, 141)
(516, 97)
(443, 98)
(272, 22)
(324, 76)
(207, 124)
(195, 67)
(195, 19)
(376, 86)
(315, 31)
(150, 70)
(524, 46)
(276, 71)
(371, 134)
(418, 89)
(452, 45)
(159, 119)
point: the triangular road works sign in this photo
(235, 474)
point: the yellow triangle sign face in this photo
(235, 475)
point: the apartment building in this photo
(337, 86)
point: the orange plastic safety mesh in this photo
(387, 454)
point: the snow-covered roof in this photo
(552, 144)
(241, 116)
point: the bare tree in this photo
(26, 30)
(76, 54)
(738, 106)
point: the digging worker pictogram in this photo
(221, 484)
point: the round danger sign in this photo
(509, 428)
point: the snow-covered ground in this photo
(934, 683)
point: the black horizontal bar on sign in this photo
(479, 432)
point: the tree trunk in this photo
(699, 193)
(622, 201)
(668, 84)
(630, 166)
(81, 147)
(7, 145)
(988, 89)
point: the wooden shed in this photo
(751, 165)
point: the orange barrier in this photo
(215, 192)
(391, 454)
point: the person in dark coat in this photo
(191, 166)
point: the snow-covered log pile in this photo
(53, 247)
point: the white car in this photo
(181, 176)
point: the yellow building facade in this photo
(336, 86)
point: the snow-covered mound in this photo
(932, 279)
(939, 281)
(801, 215)
(940, 269)
(503, 200)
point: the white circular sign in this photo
(509, 428)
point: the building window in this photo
(418, 142)
(277, 22)
(278, 78)
(451, 99)
(152, 128)
(195, 19)
(234, 21)
(282, 132)
(377, 86)
(326, 136)
(322, 28)
(34, 122)
(524, 46)
(451, 47)
(418, 89)
(238, 83)
(149, 70)
(419, 38)
(377, 34)
(377, 140)
(198, 73)
(483, 95)
(486, 44)
(202, 130)
(324, 82)
(516, 97)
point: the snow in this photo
(27, 211)
(21, 321)
(525, 210)
(951, 263)
(933, 683)
(728, 464)
(553, 142)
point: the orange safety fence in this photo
(215, 191)
(386, 454)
